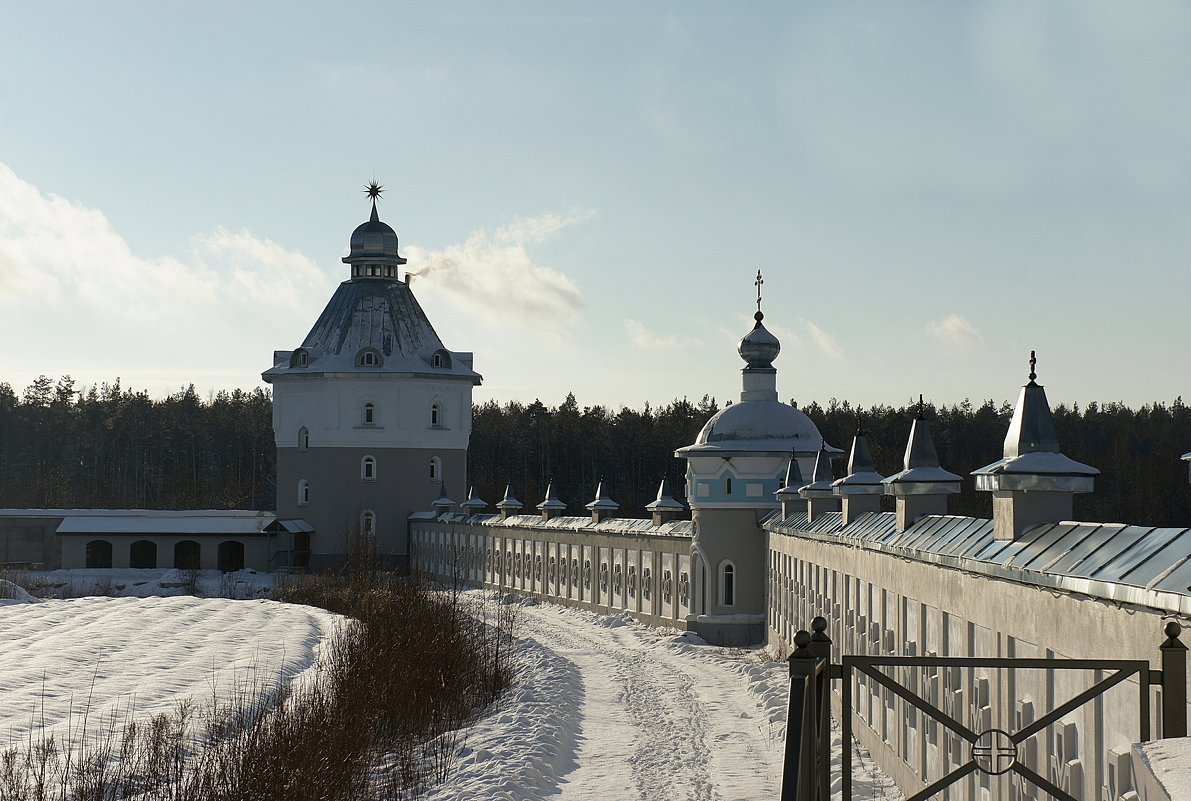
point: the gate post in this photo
(798, 773)
(820, 646)
(1174, 683)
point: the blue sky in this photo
(931, 189)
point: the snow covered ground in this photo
(605, 707)
(93, 658)
(144, 582)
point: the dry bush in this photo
(381, 719)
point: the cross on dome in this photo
(758, 282)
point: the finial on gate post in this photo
(1174, 682)
(820, 644)
(921, 408)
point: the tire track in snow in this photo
(637, 712)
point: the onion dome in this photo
(759, 348)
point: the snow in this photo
(1169, 762)
(144, 583)
(100, 659)
(602, 706)
(606, 707)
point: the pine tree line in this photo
(108, 446)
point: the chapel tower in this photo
(371, 415)
(735, 467)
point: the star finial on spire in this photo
(1033, 366)
(374, 190)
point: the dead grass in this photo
(382, 718)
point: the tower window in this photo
(368, 523)
(369, 414)
(303, 438)
(368, 468)
(435, 468)
(303, 492)
(728, 485)
(727, 584)
(368, 358)
(436, 415)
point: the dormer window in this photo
(300, 358)
(370, 414)
(369, 357)
(441, 358)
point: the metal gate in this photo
(992, 751)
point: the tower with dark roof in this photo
(371, 414)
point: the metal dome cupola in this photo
(759, 348)
(374, 245)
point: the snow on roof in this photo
(168, 523)
(380, 316)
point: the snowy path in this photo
(606, 708)
(104, 657)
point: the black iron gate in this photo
(992, 751)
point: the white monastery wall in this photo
(568, 561)
(878, 603)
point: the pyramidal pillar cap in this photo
(1033, 460)
(862, 478)
(922, 474)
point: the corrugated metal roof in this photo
(615, 525)
(1138, 564)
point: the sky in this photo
(586, 191)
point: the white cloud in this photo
(956, 331)
(645, 339)
(824, 341)
(495, 278)
(69, 257)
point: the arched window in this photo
(143, 553)
(369, 357)
(370, 414)
(728, 485)
(368, 468)
(436, 415)
(99, 553)
(303, 438)
(368, 523)
(187, 555)
(727, 584)
(303, 492)
(435, 468)
(441, 359)
(300, 358)
(231, 556)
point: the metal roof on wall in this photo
(1138, 564)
